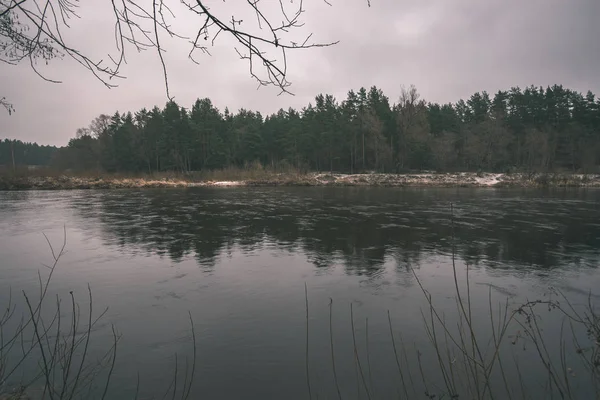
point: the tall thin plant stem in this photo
(396, 356)
(307, 367)
(335, 377)
(357, 358)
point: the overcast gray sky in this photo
(449, 49)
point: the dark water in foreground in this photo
(238, 260)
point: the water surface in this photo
(238, 260)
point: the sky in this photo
(448, 49)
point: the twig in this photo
(396, 356)
(362, 375)
(307, 370)
(112, 365)
(86, 346)
(187, 393)
(47, 386)
(368, 354)
(335, 378)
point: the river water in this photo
(244, 263)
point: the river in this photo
(246, 262)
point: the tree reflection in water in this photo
(361, 228)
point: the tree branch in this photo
(32, 29)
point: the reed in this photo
(45, 352)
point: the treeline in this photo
(532, 129)
(17, 153)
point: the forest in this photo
(16, 152)
(530, 129)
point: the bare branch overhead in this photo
(32, 31)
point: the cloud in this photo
(448, 49)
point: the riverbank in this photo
(463, 179)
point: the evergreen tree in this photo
(531, 129)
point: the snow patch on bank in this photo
(424, 179)
(414, 179)
(489, 179)
(228, 183)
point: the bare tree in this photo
(32, 30)
(99, 125)
(412, 124)
(81, 132)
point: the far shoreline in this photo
(421, 179)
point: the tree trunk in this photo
(363, 150)
(351, 159)
(376, 155)
(12, 154)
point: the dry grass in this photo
(469, 360)
(255, 174)
(47, 178)
(45, 352)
